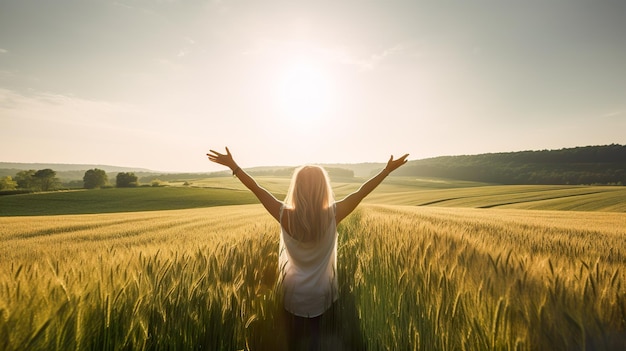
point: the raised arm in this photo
(350, 202)
(271, 204)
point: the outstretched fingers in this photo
(394, 164)
(403, 158)
(223, 159)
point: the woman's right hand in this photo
(223, 159)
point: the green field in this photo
(394, 191)
(120, 200)
(424, 264)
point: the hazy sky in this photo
(156, 83)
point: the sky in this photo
(157, 83)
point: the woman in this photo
(308, 241)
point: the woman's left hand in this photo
(223, 159)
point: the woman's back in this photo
(308, 268)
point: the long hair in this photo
(310, 198)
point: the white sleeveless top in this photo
(309, 272)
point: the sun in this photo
(305, 92)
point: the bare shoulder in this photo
(343, 209)
(287, 213)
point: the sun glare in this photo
(304, 92)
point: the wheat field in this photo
(411, 278)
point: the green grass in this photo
(120, 200)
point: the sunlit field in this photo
(126, 125)
(411, 277)
(538, 197)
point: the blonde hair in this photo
(310, 198)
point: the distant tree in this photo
(95, 178)
(46, 179)
(7, 183)
(126, 180)
(25, 179)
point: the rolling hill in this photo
(605, 164)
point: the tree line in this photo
(581, 165)
(46, 180)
